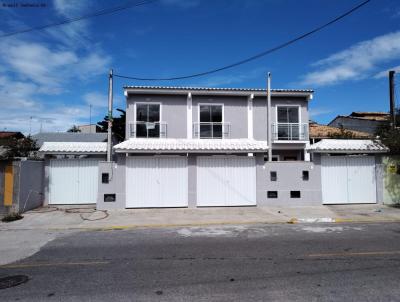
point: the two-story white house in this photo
(194, 147)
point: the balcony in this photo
(148, 130)
(290, 132)
(210, 130)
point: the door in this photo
(226, 181)
(156, 182)
(348, 179)
(362, 182)
(334, 179)
(73, 181)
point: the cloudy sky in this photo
(49, 78)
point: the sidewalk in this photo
(86, 217)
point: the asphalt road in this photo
(319, 262)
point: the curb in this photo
(210, 223)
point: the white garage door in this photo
(155, 182)
(73, 181)
(226, 181)
(348, 179)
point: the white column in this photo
(250, 117)
(189, 116)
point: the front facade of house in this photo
(194, 147)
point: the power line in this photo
(101, 12)
(257, 56)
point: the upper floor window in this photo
(148, 120)
(211, 121)
(288, 114)
(288, 124)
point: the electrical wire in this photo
(252, 58)
(98, 13)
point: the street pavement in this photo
(256, 262)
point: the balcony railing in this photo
(290, 132)
(148, 130)
(211, 130)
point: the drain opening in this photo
(11, 281)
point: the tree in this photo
(74, 129)
(391, 137)
(118, 127)
(18, 147)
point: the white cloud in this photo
(356, 62)
(96, 99)
(314, 112)
(385, 73)
(32, 69)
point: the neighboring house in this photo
(71, 166)
(87, 128)
(319, 132)
(42, 137)
(5, 135)
(361, 121)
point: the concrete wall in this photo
(391, 179)
(27, 187)
(234, 112)
(289, 178)
(31, 178)
(3, 164)
(174, 112)
(116, 185)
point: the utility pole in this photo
(269, 125)
(392, 100)
(110, 118)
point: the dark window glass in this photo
(210, 121)
(273, 176)
(216, 114)
(288, 114)
(205, 114)
(272, 194)
(295, 194)
(147, 120)
(154, 113)
(104, 178)
(282, 115)
(306, 175)
(141, 112)
(293, 114)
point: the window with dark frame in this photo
(273, 176)
(272, 194)
(306, 175)
(295, 194)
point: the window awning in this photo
(73, 148)
(171, 145)
(348, 146)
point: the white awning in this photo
(73, 148)
(348, 146)
(143, 145)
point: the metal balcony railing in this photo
(148, 130)
(211, 130)
(290, 132)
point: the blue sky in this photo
(55, 74)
